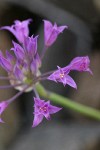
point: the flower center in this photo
(61, 75)
(43, 109)
(82, 66)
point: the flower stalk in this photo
(67, 103)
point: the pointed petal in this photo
(63, 80)
(19, 29)
(10, 57)
(47, 28)
(18, 73)
(38, 60)
(9, 29)
(52, 38)
(22, 27)
(37, 120)
(33, 44)
(38, 102)
(5, 64)
(89, 70)
(70, 82)
(52, 77)
(47, 116)
(80, 64)
(33, 67)
(61, 28)
(3, 106)
(54, 109)
(30, 44)
(18, 50)
(51, 32)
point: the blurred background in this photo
(67, 130)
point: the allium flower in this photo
(19, 29)
(43, 109)
(3, 106)
(23, 67)
(62, 76)
(80, 64)
(51, 32)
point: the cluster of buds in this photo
(23, 67)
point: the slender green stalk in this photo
(65, 102)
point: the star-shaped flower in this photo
(43, 109)
(19, 29)
(80, 64)
(51, 32)
(62, 76)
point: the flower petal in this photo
(5, 64)
(70, 82)
(80, 64)
(51, 32)
(19, 29)
(18, 73)
(18, 50)
(3, 106)
(10, 57)
(54, 109)
(37, 120)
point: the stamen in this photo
(61, 75)
(45, 109)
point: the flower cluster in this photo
(23, 66)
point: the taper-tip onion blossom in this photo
(23, 67)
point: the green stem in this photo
(88, 111)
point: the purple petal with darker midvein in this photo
(5, 64)
(18, 73)
(37, 120)
(70, 82)
(54, 109)
(9, 29)
(9, 56)
(18, 50)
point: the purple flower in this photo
(30, 44)
(23, 67)
(43, 109)
(80, 64)
(6, 63)
(19, 51)
(10, 57)
(3, 106)
(62, 76)
(19, 29)
(51, 32)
